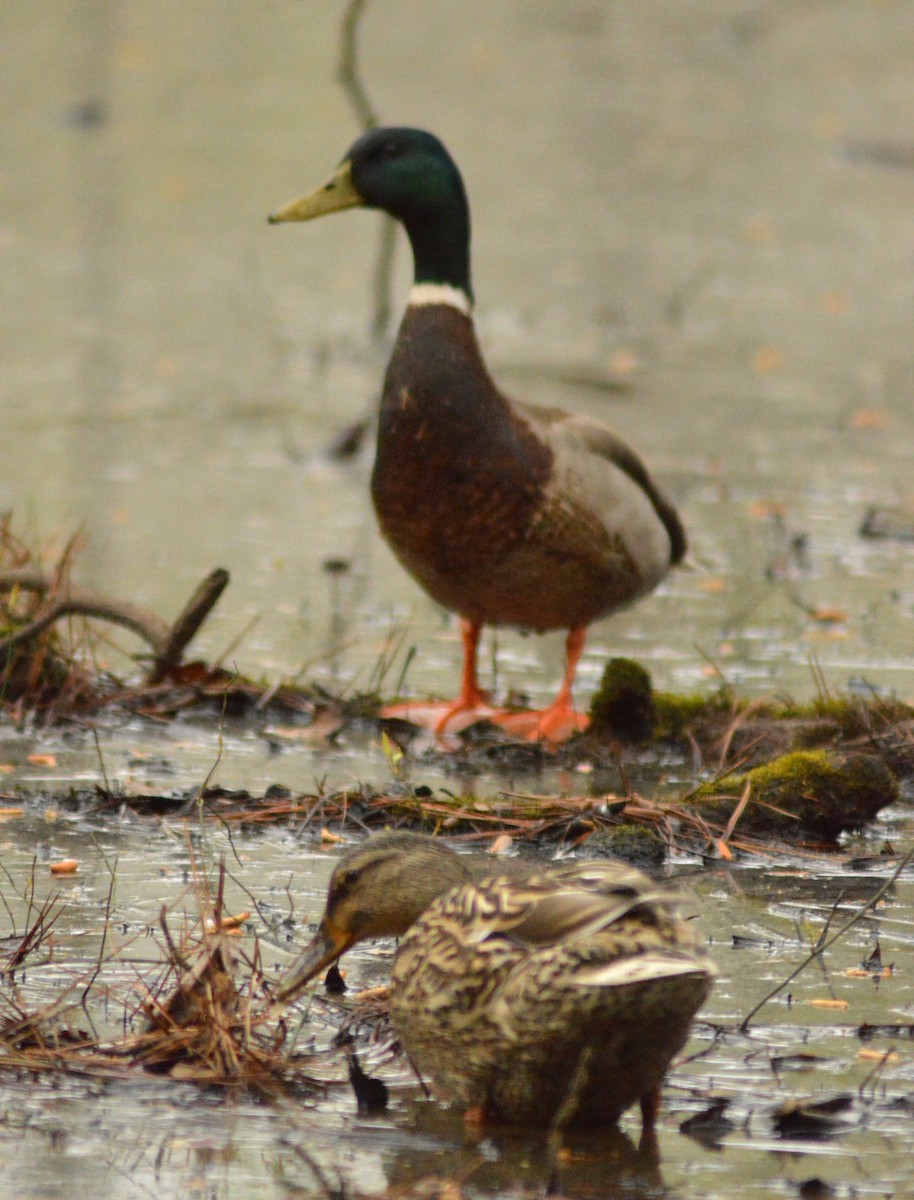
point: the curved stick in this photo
(167, 642)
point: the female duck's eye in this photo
(342, 883)
(347, 879)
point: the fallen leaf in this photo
(187, 1071)
(765, 509)
(835, 302)
(66, 866)
(878, 1055)
(829, 1003)
(11, 812)
(235, 919)
(229, 923)
(369, 995)
(767, 359)
(328, 838)
(623, 362)
(835, 616)
(758, 231)
(502, 844)
(326, 723)
(828, 632)
(334, 980)
(42, 760)
(871, 418)
(712, 585)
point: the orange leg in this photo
(560, 720)
(471, 705)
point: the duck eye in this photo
(341, 884)
(347, 879)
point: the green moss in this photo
(847, 713)
(632, 843)
(674, 714)
(623, 703)
(811, 790)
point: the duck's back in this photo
(512, 995)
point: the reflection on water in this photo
(712, 209)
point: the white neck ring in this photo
(440, 293)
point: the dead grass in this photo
(206, 1017)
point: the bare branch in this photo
(167, 642)
(349, 76)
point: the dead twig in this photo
(167, 642)
(191, 617)
(350, 79)
(821, 947)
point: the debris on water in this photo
(896, 523)
(867, 1032)
(813, 1118)
(815, 1189)
(796, 1062)
(873, 964)
(66, 866)
(743, 941)
(711, 1125)
(41, 669)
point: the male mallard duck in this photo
(559, 997)
(506, 513)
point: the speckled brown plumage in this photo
(560, 995)
(500, 986)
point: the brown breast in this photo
(462, 490)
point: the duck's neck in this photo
(440, 240)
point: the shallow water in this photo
(710, 203)
(174, 1138)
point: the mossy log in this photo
(816, 792)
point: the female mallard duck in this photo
(506, 513)
(556, 998)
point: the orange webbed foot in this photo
(553, 725)
(441, 717)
